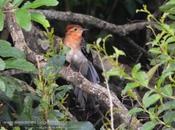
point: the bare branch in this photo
(101, 92)
(121, 30)
(15, 30)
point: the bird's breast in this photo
(76, 57)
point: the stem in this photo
(109, 94)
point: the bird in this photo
(78, 60)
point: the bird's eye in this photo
(75, 29)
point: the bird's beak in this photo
(85, 29)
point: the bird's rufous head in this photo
(74, 29)
(73, 35)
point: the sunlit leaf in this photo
(148, 101)
(155, 50)
(23, 18)
(17, 2)
(40, 18)
(118, 52)
(167, 6)
(162, 78)
(135, 69)
(7, 51)
(38, 3)
(2, 3)
(135, 110)
(117, 71)
(130, 86)
(148, 125)
(20, 64)
(167, 90)
(152, 71)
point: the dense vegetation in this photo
(36, 91)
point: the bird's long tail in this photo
(92, 74)
(85, 99)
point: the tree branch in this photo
(121, 30)
(101, 92)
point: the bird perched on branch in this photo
(78, 60)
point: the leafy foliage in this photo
(158, 100)
(23, 16)
(15, 58)
(21, 101)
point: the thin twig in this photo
(109, 94)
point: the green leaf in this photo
(53, 66)
(167, 90)
(61, 91)
(148, 125)
(140, 76)
(11, 85)
(130, 86)
(16, 128)
(2, 3)
(171, 17)
(2, 86)
(167, 6)
(117, 71)
(38, 3)
(162, 78)
(135, 110)
(135, 69)
(155, 50)
(2, 64)
(17, 2)
(56, 114)
(7, 51)
(166, 106)
(40, 18)
(170, 67)
(20, 64)
(23, 18)
(2, 18)
(152, 71)
(169, 117)
(118, 52)
(79, 126)
(147, 101)
(27, 110)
